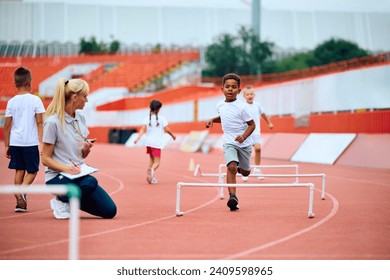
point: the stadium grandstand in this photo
(128, 82)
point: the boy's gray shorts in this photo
(240, 155)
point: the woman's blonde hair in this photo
(64, 90)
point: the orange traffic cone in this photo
(191, 166)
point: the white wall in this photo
(196, 26)
(180, 112)
(359, 89)
(367, 88)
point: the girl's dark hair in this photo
(154, 106)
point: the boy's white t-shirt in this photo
(256, 111)
(234, 116)
(155, 134)
(22, 108)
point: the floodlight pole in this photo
(256, 10)
(256, 17)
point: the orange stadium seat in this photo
(131, 70)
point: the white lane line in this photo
(61, 241)
(288, 237)
(20, 215)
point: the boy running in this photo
(237, 125)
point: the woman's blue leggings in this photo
(94, 199)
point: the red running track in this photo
(353, 222)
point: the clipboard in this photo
(85, 170)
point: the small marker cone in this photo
(191, 166)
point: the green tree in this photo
(91, 46)
(335, 50)
(221, 56)
(243, 54)
(296, 61)
(253, 53)
(332, 50)
(115, 46)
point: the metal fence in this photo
(44, 49)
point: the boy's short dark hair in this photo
(22, 77)
(231, 76)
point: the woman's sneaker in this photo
(21, 203)
(154, 181)
(233, 203)
(61, 209)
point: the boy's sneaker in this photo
(21, 203)
(233, 203)
(150, 175)
(258, 172)
(154, 181)
(61, 209)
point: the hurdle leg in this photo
(73, 192)
(197, 168)
(221, 181)
(310, 212)
(296, 173)
(74, 228)
(178, 212)
(323, 188)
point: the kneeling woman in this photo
(65, 148)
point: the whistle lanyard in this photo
(81, 138)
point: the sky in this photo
(301, 5)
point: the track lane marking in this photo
(61, 241)
(288, 237)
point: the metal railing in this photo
(258, 80)
(44, 49)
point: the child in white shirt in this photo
(237, 125)
(256, 111)
(154, 126)
(23, 129)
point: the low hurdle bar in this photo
(181, 184)
(220, 179)
(295, 166)
(322, 175)
(221, 175)
(73, 192)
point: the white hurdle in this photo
(295, 166)
(222, 175)
(322, 175)
(73, 193)
(181, 184)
